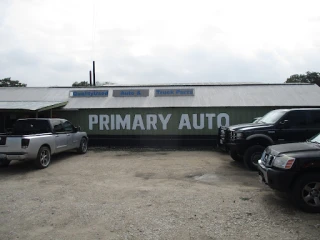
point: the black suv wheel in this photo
(4, 163)
(306, 192)
(252, 155)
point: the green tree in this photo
(81, 84)
(309, 77)
(7, 82)
(103, 83)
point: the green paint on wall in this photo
(152, 121)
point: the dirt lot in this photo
(145, 195)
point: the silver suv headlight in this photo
(283, 162)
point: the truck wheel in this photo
(306, 193)
(4, 163)
(252, 155)
(235, 156)
(44, 158)
(83, 148)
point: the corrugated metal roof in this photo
(212, 95)
(33, 106)
(33, 94)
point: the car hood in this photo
(294, 149)
(249, 126)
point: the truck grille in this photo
(227, 135)
(233, 135)
(267, 159)
(223, 135)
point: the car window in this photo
(314, 119)
(297, 119)
(31, 127)
(272, 117)
(67, 126)
(57, 126)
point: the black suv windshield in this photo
(272, 117)
(30, 126)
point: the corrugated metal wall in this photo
(179, 117)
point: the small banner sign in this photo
(174, 92)
(131, 93)
(89, 93)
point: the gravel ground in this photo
(145, 194)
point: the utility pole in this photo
(94, 74)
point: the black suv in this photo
(248, 141)
(294, 168)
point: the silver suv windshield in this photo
(272, 117)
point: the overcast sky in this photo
(50, 43)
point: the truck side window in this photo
(31, 127)
(314, 119)
(297, 119)
(67, 127)
(57, 126)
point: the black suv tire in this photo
(252, 155)
(235, 156)
(306, 192)
(4, 163)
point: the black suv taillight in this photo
(25, 143)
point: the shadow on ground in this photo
(17, 167)
(281, 201)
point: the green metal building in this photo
(188, 114)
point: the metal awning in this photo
(30, 106)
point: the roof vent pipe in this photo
(94, 74)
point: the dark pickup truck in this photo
(247, 141)
(294, 168)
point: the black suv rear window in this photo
(24, 127)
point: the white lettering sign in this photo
(195, 121)
(184, 122)
(93, 119)
(104, 122)
(210, 117)
(200, 121)
(138, 122)
(152, 121)
(226, 119)
(122, 123)
(164, 120)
